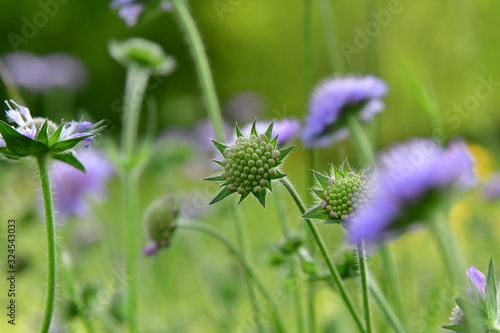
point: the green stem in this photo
(331, 36)
(51, 241)
(243, 245)
(329, 262)
(202, 66)
(386, 308)
(310, 244)
(308, 46)
(246, 265)
(135, 86)
(282, 216)
(360, 139)
(363, 272)
(193, 38)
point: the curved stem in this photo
(135, 86)
(319, 241)
(201, 61)
(246, 266)
(363, 272)
(51, 241)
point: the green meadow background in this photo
(436, 56)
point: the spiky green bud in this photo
(249, 165)
(343, 193)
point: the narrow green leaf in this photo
(214, 179)
(19, 144)
(285, 152)
(43, 135)
(318, 213)
(261, 196)
(220, 147)
(456, 328)
(57, 134)
(337, 172)
(319, 193)
(279, 175)
(64, 145)
(69, 159)
(269, 131)
(274, 141)
(254, 130)
(322, 179)
(222, 194)
(218, 162)
(237, 129)
(269, 185)
(491, 293)
(346, 167)
(329, 220)
(243, 197)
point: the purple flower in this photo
(245, 106)
(491, 189)
(477, 280)
(72, 187)
(40, 74)
(286, 129)
(413, 180)
(334, 100)
(128, 10)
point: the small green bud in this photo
(160, 222)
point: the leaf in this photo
(269, 185)
(253, 131)
(43, 135)
(237, 129)
(243, 197)
(269, 131)
(491, 293)
(218, 162)
(285, 152)
(456, 328)
(318, 213)
(222, 194)
(322, 179)
(279, 175)
(346, 167)
(337, 172)
(319, 193)
(214, 179)
(261, 196)
(55, 137)
(19, 144)
(220, 147)
(64, 145)
(69, 159)
(329, 220)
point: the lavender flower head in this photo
(491, 189)
(336, 99)
(130, 10)
(477, 279)
(413, 180)
(42, 73)
(73, 188)
(286, 129)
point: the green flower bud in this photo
(160, 223)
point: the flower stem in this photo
(363, 272)
(51, 241)
(201, 61)
(193, 38)
(360, 139)
(135, 86)
(331, 36)
(246, 265)
(386, 308)
(282, 216)
(319, 241)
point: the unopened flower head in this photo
(343, 194)
(337, 99)
(36, 136)
(414, 180)
(250, 164)
(142, 53)
(160, 221)
(131, 10)
(286, 129)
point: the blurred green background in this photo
(432, 54)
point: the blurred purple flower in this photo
(130, 10)
(245, 106)
(491, 189)
(286, 129)
(478, 280)
(150, 249)
(413, 180)
(40, 74)
(333, 100)
(72, 187)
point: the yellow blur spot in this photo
(483, 161)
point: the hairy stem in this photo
(51, 241)
(329, 262)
